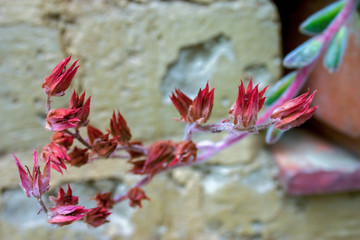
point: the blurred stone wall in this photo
(132, 54)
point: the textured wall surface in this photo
(132, 54)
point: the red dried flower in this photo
(102, 145)
(185, 151)
(64, 199)
(34, 184)
(132, 152)
(65, 215)
(78, 157)
(56, 154)
(62, 119)
(197, 110)
(294, 112)
(97, 216)
(104, 200)
(136, 195)
(77, 102)
(138, 166)
(59, 80)
(243, 113)
(119, 128)
(161, 153)
(62, 139)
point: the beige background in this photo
(132, 54)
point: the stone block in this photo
(28, 54)
(310, 165)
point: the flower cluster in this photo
(243, 113)
(295, 112)
(68, 146)
(34, 184)
(67, 211)
(197, 110)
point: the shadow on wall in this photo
(196, 62)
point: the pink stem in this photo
(48, 104)
(141, 183)
(79, 138)
(295, 87)
(301, 77)
(42, 204)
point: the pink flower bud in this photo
(65, 215)
(62, 119)
(56, 155)
(243, 113)
(64, 199)
(119, 128)
(59, 80)
(136, 195)
(97, 216)
(294, 112)
(34, 184)
(197, 110)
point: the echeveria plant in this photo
(253, 110)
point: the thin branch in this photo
(48, 104)
(42, 204)
(79, 138)
(139, 184)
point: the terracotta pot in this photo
(339, 97)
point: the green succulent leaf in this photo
(319, 21)
(279, 88)
(336, 50)
(273, 135)
(304, 54)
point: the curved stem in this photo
(133, 148)
(295, 87)
(79, 138)
(48, 104)
(211, 149)
(42, 204)
(141, 183)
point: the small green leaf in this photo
(273, 135)
(336, 50)
(319, 21)
(304, 54)
(280, 87)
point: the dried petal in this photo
(197, 110)
(77, 102)
(62, 139)
(200, 109)
(181, 103)
(59, 80)
(294, 112)
(161, 153)
(65, 215)
(25, 177)
(56, 154)
(78, 157)
(185, 151)
(136, 195)
(243, 113)
(104, 200)
(62, 119)
(34, 184)
(97, 216)
(101, 144)
(64, 199)
(119, 128)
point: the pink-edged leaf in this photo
(26, 182)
